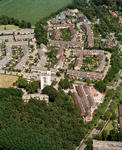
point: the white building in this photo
(45, 79)
(37, 96)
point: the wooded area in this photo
(55, 126)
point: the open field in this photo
(7, 80)
(31, 10)
(9, 27)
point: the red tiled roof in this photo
(113, 13)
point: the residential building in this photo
(22, 62)
(41, 97)
(62, 16)
(41, 54)
(0, 51)
(107, 145)
(89, 33)
(42, 62)
(63, 21)
(43, 69)
(120, 116)
(24, 31)
(60, 51)
(79, 105)
(81, 18)
(72, 31)
(24, 58)
(84, 75)
(43, 47)
(7, 31)
(54, 20)
(8, 37)
(16, 43)
(108, 43)
(23, 37)
(60, 62)
(5, 60)
(73, 44)
(57, 43)
(87, 52)
(78, 62)
(49, 28)
(62, 26)
(25, 49)
(45, 79)
(84, 101)
(42, 58)
(57, 33)
(101, 63)
(8, 50)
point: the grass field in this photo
(7, 80)
(109, 127)
(9, 27)
(31, 10)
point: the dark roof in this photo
(80, 91)
(55, 42)
(71, 86)
(60, 50)
(79, 105)
(86, 89)
(120, 120)
(91, 101)
(108, 43)
(72, 31)
(61, 58)
(89, 33)
(80, 15)
(120, 110)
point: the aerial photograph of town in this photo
(60, 74)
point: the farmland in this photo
(31, 10)
(7, 80)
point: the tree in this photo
(114, 116)
(88, 81)
(58, 74)
(5, 28)
(17, 137)
(32, 87)
(29, 24)
(104, 135)
(64, 83)
(101, 86)
(101, 125)
(51, 91)
(107, 114)
(22, 82)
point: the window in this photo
(44, 85)
(44, 78)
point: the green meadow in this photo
(31, 10)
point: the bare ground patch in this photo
(7, 80)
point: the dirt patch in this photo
(7, 80)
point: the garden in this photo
(89, 63)
(51, 58)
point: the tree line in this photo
(5, 20)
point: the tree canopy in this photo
(101, 86)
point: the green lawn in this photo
(109, 127)
(117, 112)
(9, 27)
(31, 10)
